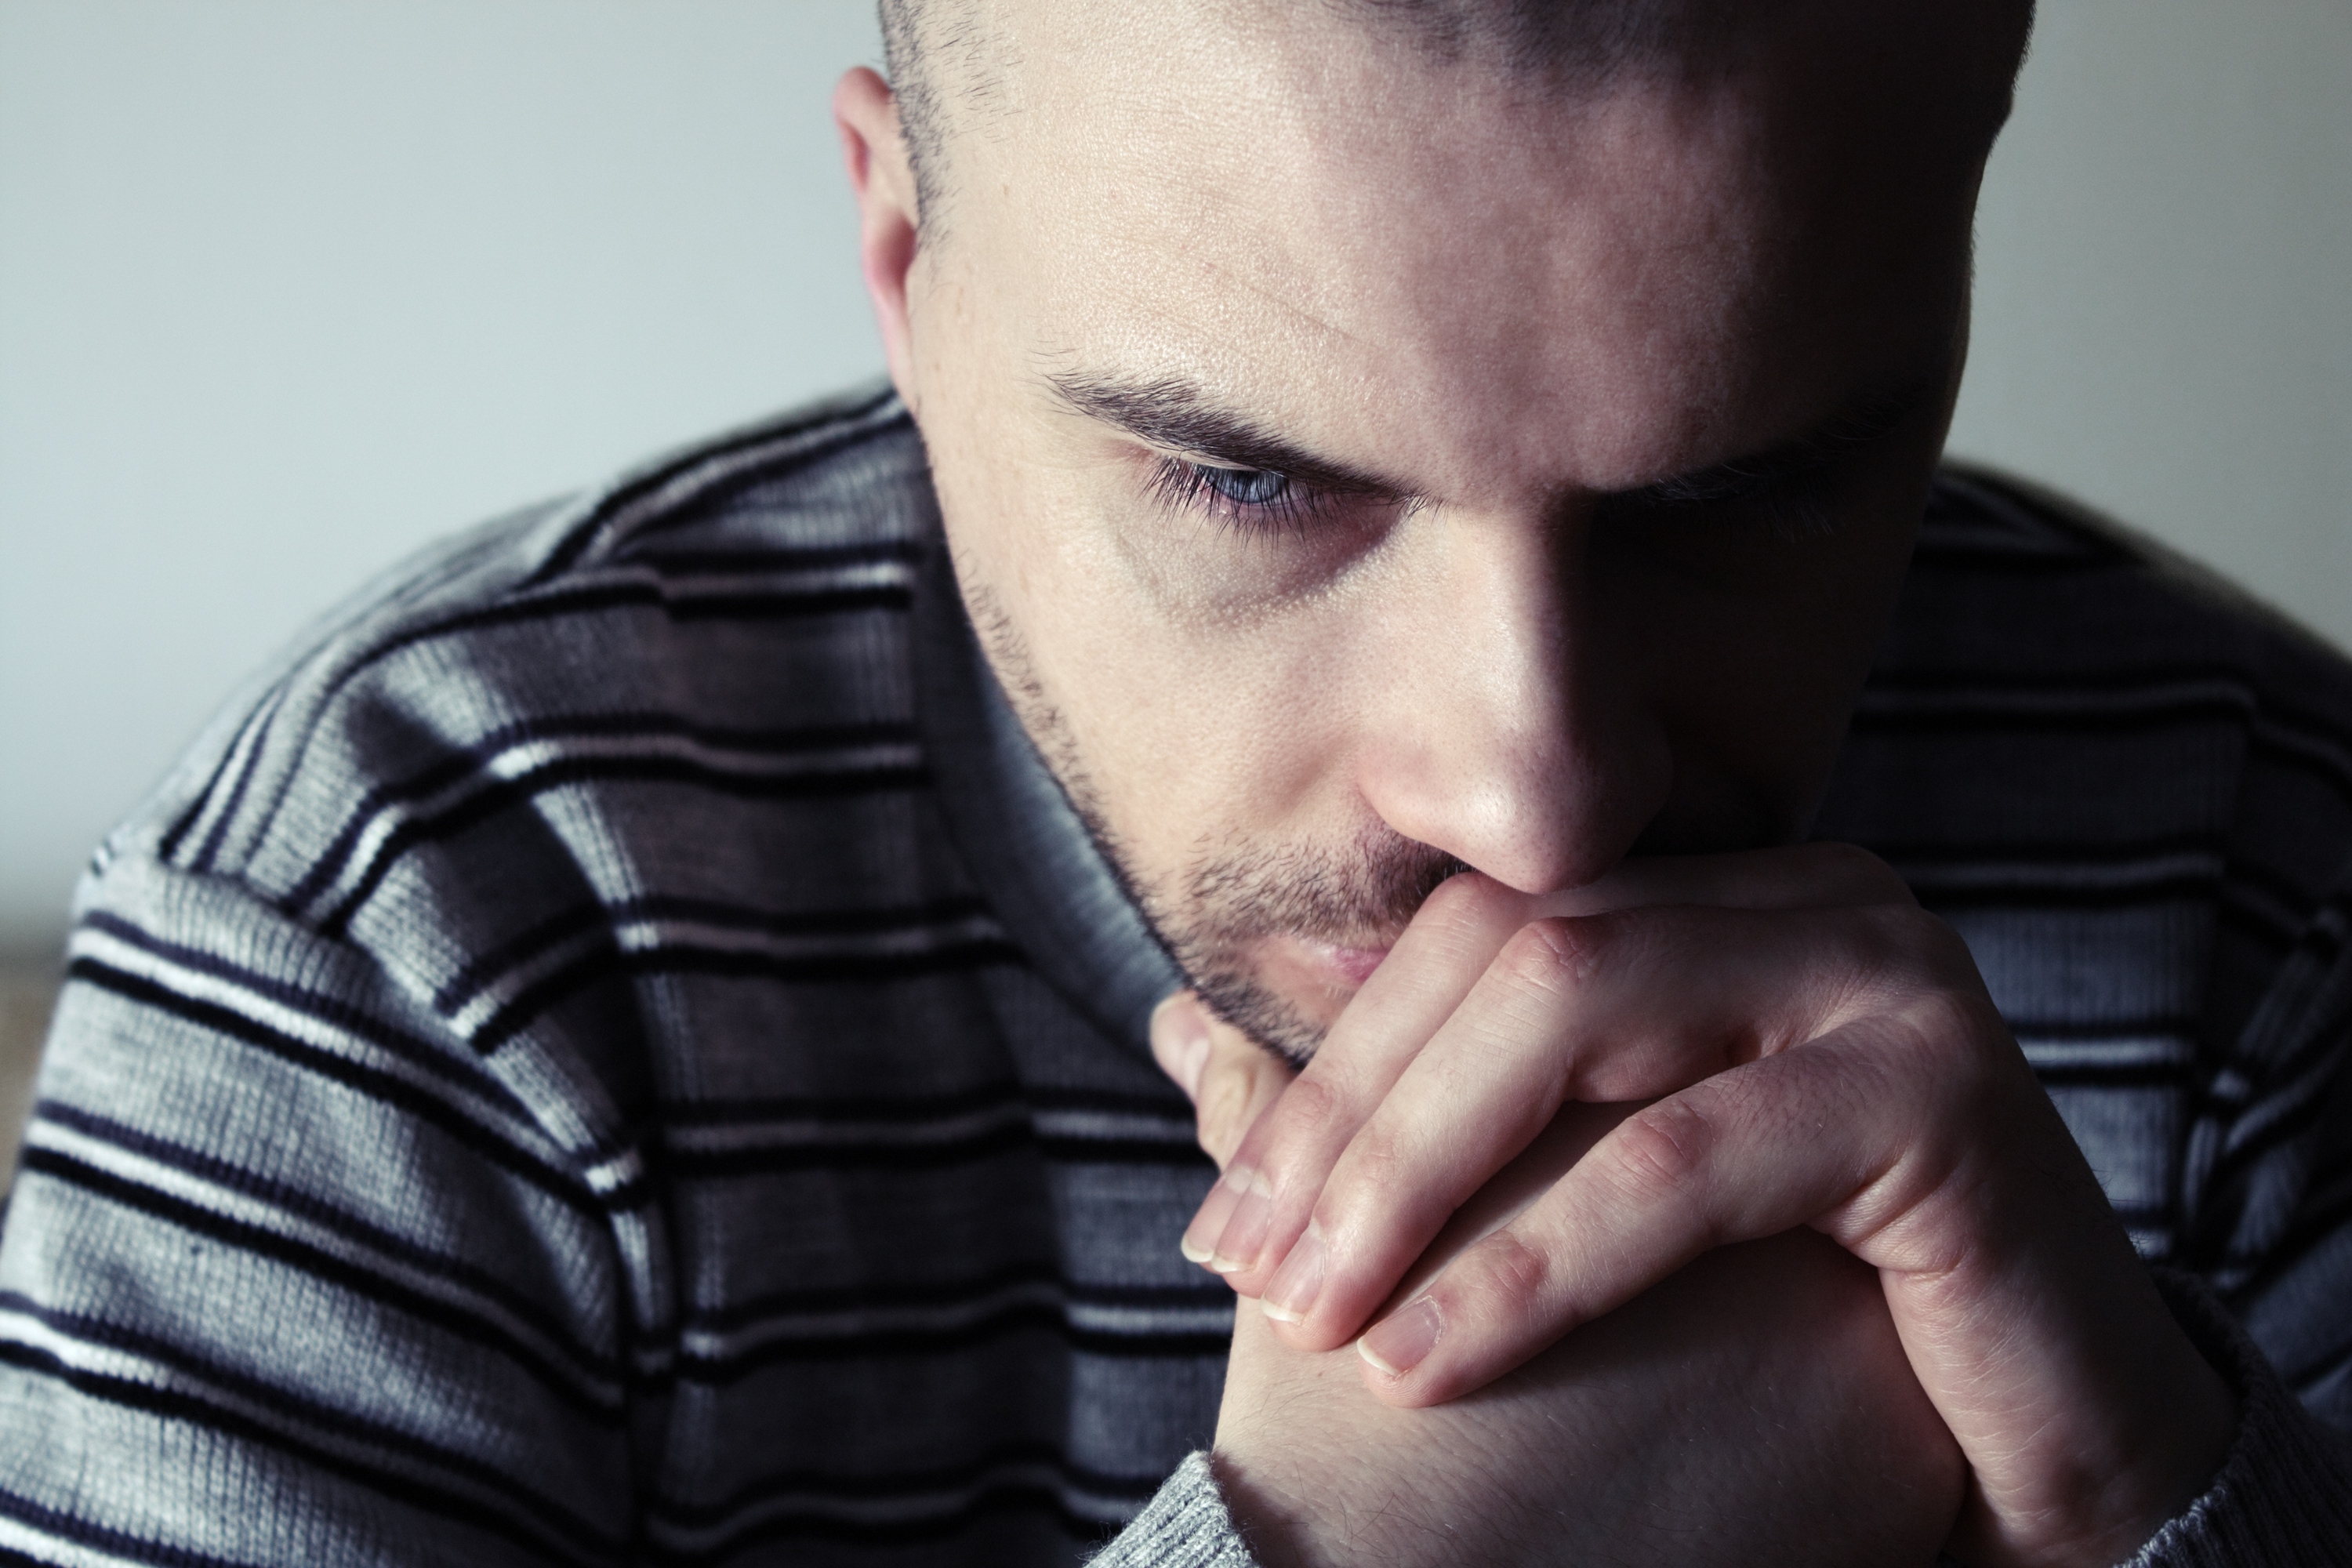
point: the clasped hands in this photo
(1531, 1174)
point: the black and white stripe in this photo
(542, 1082)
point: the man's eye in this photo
(1253, 500)
(1264, 502)
(1245, 487)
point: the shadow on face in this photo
(1378, 459)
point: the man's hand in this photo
(1820, 1052)
(1755, 1408)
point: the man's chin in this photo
(1291, 992)
(1275, 1022)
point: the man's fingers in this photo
(1179, 1041)
(1259, 1210)
(1607, 1008)
(1252, 1223)
(1229, 1077)
(1239, 1080)
(1249, 1226)
(1815, 1136)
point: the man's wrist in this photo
(1266, 1515)
(2188, 1444)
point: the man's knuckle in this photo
(1906, 961)
(1662, 1149)
(1558, 953)
(1934, 1020)
(1934, 951)
(1873, 960)
(1961, 1051)
(1380, 1161)
(1310, 1106)
(1513, 1277)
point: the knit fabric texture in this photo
(613, 1049)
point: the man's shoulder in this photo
(2061, 690)
(2014, 579)
(2030, 622)
(2128, 783)
(725, 622)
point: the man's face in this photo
(1362, 467)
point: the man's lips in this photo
(1344, 966)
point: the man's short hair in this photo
(940, 53)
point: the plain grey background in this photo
(290, 287)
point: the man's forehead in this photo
(1329, 229)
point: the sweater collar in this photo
(1037, 865)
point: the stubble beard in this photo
(1233, 900)
(1215, 911)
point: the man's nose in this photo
(1514, 732)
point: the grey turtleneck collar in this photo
(1034, 859)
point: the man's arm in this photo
(289, 1278)
(1753, 1408)
(1824, 1065)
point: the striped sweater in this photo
(614, 1051)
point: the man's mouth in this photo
(1310, 965)
(1356, 963)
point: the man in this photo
(625, 1049)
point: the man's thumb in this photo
(1181, 1042)
(1228, 1076)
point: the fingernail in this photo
(1179, 1041)
(1245, 1234)
(1400, 1342)
(1290, 1294)
(1201, 1237)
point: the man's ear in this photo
(867, 112)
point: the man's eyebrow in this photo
(1172, 413)
(1175, 414)
(1866, 421)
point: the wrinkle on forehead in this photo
(1270, 288)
